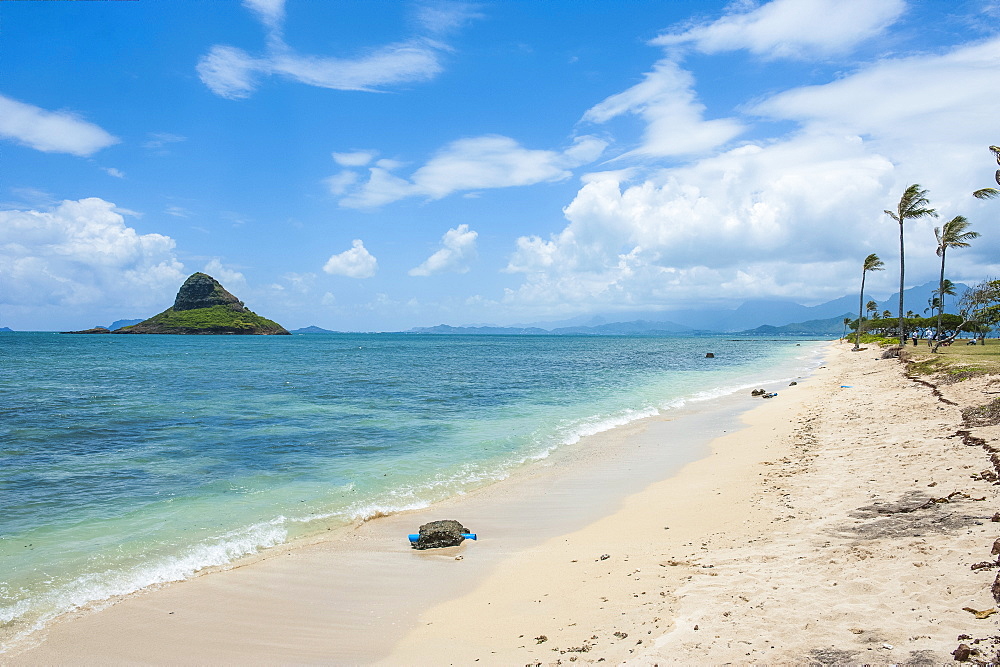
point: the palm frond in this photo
(873, 263)
(986, 193)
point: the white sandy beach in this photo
(808, 535)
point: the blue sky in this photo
(367, 165)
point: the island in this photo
(203, 307)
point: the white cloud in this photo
(51, 131)
(233, 73)
(791, 28)
(117, 173)
(490, 161)
(666, 101)
(225, 275)
(779, 217)
(354, 263)
(443, 17)
(82, 252)
(158, 140)
(340, 183)
(354, 158)
(458, 247)
(270, 12)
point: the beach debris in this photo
(996, 518)
(962, 653)
(710, 355)
(792, 383)
(541, 639)
(996, 547)
(771, 395)
(620, 634)
(605, 556)
(437, 534)
(995, 588)
(985, 565)
(986, 613)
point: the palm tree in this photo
(886, 314)
(871, 307)
(912, 206)
(990, 193)
(871, 263)
(847, 321)
(954, 234)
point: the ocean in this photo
(127, 461)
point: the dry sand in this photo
(808, 536)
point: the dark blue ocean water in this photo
(131, 460)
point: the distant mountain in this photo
(494, 331)
(638, 327)
(311, 330)
(118, 324)
(3, 329)
(827, 327)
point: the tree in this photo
(871, 307)
(912, 206)
(871, 263)
(847, 321)
(990, 193)
(954, 234)
(980, 305)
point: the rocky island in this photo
(203, 306)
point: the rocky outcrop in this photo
(436, 534)
(204, 307)
(95, 330)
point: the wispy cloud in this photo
(51, 131)
(667, 102)
(490, 161)
(354, 263)
(159, 140)
(233, 73)
(790, 28)
(458, 248)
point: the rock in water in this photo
(437, 534)
(203, 306)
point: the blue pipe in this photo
(416, 536)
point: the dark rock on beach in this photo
(437, 534)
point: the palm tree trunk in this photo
(937, 334)
(861, 310)
(902, 340)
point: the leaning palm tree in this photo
(872, 263)
(990, 193)
(912, 206)
(954, 234)
(871, 307)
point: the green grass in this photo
(212, 319)
(957, 362)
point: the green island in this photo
(203, 307)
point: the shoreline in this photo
(510, 516)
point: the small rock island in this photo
(203, 306)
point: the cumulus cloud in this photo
(233, 73)
(354, 263)
(791, 28)
(768, 217)
(667, 102)
(490, 161)
(224, 274)
(82, 252)
(458, 247)
(51, 131)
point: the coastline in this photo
(837, 524)
(364, 580)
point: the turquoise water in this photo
(127, 461)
